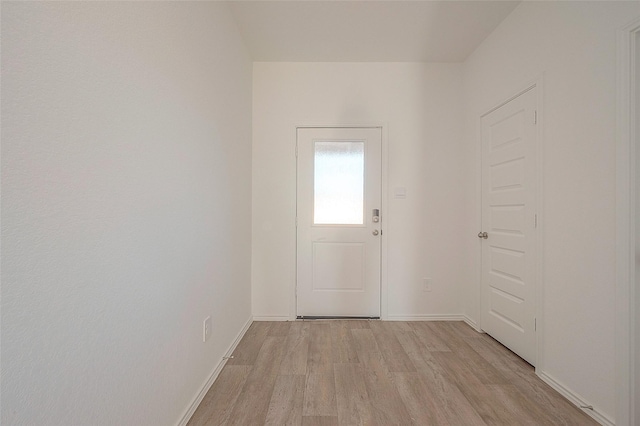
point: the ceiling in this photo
(367, 31)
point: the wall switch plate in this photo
(206, 329)
(400, 192)
(426, 284)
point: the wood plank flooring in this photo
(378, 373)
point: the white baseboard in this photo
(576, 399)
(271, 318)
(213, 376)
(425, 318)
(471, 323)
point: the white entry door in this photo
(339, 222)
(509, 221)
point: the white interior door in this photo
(338, 222)
(509, 221)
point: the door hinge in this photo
(535, 324)
(535, 117)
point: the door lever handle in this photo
(483, 235)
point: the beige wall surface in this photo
(126, 164)
(571, 48)
(419, 107)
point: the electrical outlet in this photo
(206, 329)
(426, 284)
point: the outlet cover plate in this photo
(426, 284)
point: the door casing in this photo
(538, 84)
(627, 207)
(384, 208)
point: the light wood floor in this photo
(382, 373)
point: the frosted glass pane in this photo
(338, 185)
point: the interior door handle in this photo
(483, 235)
(375, 232)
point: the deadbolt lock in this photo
(375, 215)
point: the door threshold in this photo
(331, 317)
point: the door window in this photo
(338, 183)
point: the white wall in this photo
(419, 105)
(126, 164)
(573, 46)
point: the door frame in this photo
(293, 299)
(627, 206)
(538, 84)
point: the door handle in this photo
(375, 232)
(483, 235)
